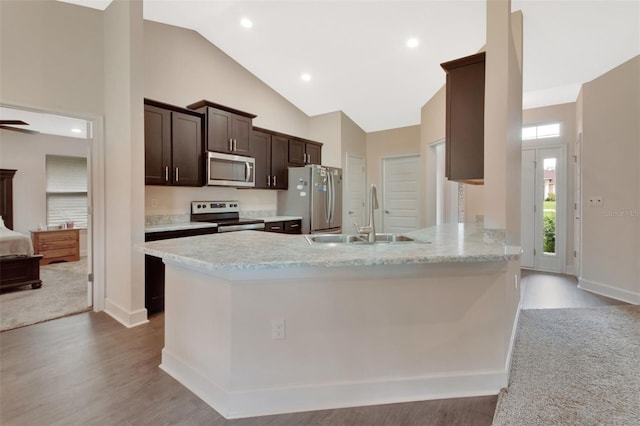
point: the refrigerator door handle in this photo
(333, 197)
(329, 191)
(327, 204)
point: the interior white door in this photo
(400, 193)
(355, 186)
(543, 205)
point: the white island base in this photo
(353, 335)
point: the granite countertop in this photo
(178, 226)
(257, 250)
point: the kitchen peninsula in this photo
(259, 323)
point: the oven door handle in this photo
(229, 228)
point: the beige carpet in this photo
(574, 367)
(63, 292)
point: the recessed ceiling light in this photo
(246, 23)
(413, 42)
(75, 130)
(305, 77)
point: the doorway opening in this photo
(57, 167)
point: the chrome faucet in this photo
(370, 229)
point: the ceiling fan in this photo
(9, 125)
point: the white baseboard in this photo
(570, 269)
(514, 330)
(259, 402)
(609, 291)
(127, 318)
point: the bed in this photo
(18, 265)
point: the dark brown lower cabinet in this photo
(284, 227)
(154, 268)
(153, 284)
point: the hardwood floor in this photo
(89, 370)
(547, 290)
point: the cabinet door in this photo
(465, 119)
(241, 134)
(293, 227)
(279, 163)
(314, 153)
(218, 130)
(187, 150)
(297, 152)
(157, 146)
(153, 284)
(274, 227)
(261, 151)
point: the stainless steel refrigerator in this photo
(315, 193)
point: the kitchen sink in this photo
(392, 238)
(333, 238)
(355, 239)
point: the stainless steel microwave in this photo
(230, 170)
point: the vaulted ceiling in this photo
(356, 55)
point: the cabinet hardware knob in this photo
(294, 225)
(386, 211)
(351, 212)
(275, 227)
(274, 181)
(268, 180)
(177, 175)
(231, 145)
(166, 173)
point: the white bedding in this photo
(12, 243)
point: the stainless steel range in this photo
(225, 213)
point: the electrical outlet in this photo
(277, 329)
(595, 201)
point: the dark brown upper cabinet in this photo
(465, 119)
(227, 129)
(302, 152)
(173, 145)
(270, 151)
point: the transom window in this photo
(542, 131)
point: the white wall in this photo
(124, 170)
(610, 107)
(52, 56)
(326, 128)
(27, 154)
(503, 120)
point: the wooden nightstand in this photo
(57, 245)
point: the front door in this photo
(543, 232)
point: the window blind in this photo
(66, 190)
